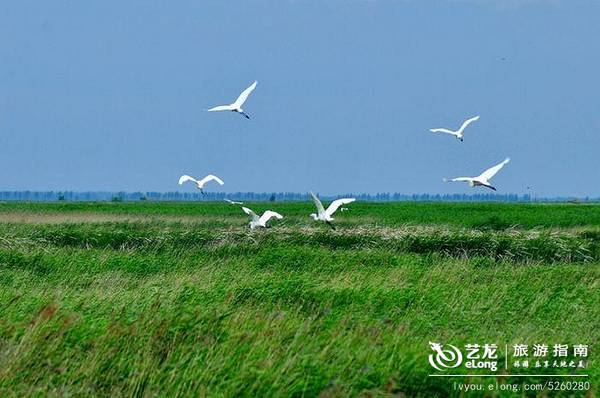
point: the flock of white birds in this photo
(323, 214)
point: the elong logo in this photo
(444, 358)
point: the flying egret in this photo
(237, 105)
(458, 133)
(325, 215)
(200, 183)
(233, 202)
(261, 222)
(484, 178)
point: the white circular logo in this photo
(444, 358)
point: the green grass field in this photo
(168, 299)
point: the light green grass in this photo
(206, 307)
(471, 215)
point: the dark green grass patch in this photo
(172, 238)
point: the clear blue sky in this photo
(110, 95)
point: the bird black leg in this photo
(331, 225)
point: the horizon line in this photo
(127, 196)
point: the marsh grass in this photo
(164, 307)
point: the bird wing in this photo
(443, 131)
(211, 177)
(467, 122)
(458, 179)
(267, 215)
(320, 208)
(489, 173)
(229, 201)
(337, 203)
(185, 178)
(252, 214)
(244, 95)
(220, 108)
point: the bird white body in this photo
(483, 179)
(237, 105)
(233, 202)
(200, 183)
(458, 133)
(257, 221)
(326, 215)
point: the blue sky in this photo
(110, 95)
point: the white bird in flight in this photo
(484, 178)
(261, 222)
(458, 133)
(237, 105)
(325, 215)
(200, 183)
(233, 202)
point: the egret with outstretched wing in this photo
(200, 183)
(458, 133)
(257, 221)
(483, 179)
(237, 105)
(326, 215)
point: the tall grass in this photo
(210, 308)
(155, 237)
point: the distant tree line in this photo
(52, 196)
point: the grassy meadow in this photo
(183, 299)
